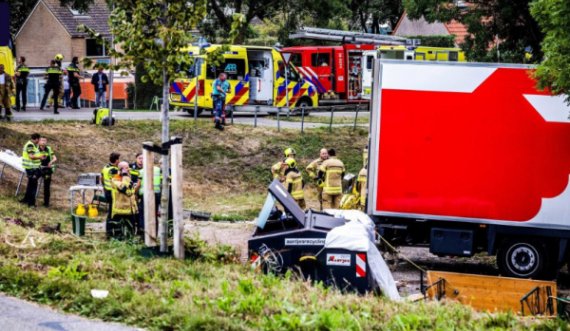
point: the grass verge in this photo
(362, 119)
(209, 292)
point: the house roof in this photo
(420, 27)
(97, 18)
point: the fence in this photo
(305, 111)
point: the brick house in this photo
(51, 29)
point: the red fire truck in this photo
(478, 162)
(337, 71)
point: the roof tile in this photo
(97, 18)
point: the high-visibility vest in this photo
(107, 176)
(157, 181)
(362, 181)
(295, 178)
(333, 169)
(47, 153)
(27, 162)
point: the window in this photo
(234, 68)
(92, 48)
(369, 60)
(453, 56)
(320, 59)
(76, 12)
(292, 74)
(296, 59)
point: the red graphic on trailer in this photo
(486, 154)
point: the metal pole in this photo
(356, 117)
(112, 74)
(255, 121)
(2, 172)
(287, 91)
(302, 118)
(278, 126)
(332, 115)
(39, 187)
(196, 94)
(19, 183)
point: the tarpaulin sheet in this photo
(358, 235)
(11, 159)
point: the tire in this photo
(522, 258)
(191, 111)
(304, 102)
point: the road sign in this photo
(286, 57)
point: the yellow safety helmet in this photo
(291, 162)
(59, 57)
(289, 151)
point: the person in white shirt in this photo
(66, 89)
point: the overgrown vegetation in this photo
(224, 173)
(211, 291)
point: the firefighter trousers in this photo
(331, 201)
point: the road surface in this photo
(239, 117)
(18, 315)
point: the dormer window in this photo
(76, 12)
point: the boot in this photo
(56, 112)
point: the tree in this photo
(553, 73)
(370, 15)
(486, 20)
(154, 33)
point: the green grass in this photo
(211, 291)
(362, 119)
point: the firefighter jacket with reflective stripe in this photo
(333, 170)
(48, 153)
(365, 157)
(30, 149)
(313, 168)
(157, 181)
(294, 181)
(278, 170)
(53, 75)
(124, 199)
(107, 173)
(362, 185)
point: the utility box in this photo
(291, 239)
(451, 242)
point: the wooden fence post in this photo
(149, 201)
(177, 200)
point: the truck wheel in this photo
(191, 111)
(522, 258)
(304, 102)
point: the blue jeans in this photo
(67, 97)
(100, 97)
(219, 109)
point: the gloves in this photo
(320, 183)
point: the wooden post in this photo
(149, 201)
(176, 152)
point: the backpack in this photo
(101, 116)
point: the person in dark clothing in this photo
(73, 74)
(47, 167)
(100, 82)
(53, 75)
(22, 73)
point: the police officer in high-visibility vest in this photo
(332, 172)
(22, 73)
(47, 168)
(73, 78)
(135, 169)
(107, 174)
(157, 186)
(313, 171)
(53, 75)
(294, 182)
(278, 169)
(31, 161)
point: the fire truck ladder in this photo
(347, 37)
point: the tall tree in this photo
(487, 20)
(153, 33)
(553, 73)
(370, 15)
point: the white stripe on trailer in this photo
(360, 265)
(551, 108)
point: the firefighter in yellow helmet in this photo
(313, 171)
(332, 172)
(361, 186)
(54, 82)
(294, 182)
(58, 58)
(278, 170)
